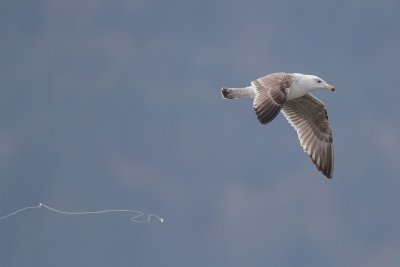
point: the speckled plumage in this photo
(290, 94)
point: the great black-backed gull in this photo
(290, 93)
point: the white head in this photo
(313, 83)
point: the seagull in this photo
(290, 93)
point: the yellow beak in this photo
(330, 88)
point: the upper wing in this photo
(307, 114)
(270, 96)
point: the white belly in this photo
(295, 92)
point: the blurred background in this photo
(116, 105)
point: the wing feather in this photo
(270, 96)
(307, 114)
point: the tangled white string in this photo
(135, 218)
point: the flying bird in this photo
(290, 93)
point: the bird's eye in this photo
(319, 81)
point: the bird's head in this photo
(315, 83)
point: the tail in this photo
(235, 93)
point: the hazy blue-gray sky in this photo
(116, 105)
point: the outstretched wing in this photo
(307, 114)
(270, 95)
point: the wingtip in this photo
(328, 175)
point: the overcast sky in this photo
(116, 105)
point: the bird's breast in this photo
(295, 92)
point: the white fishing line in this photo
(135, 218)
